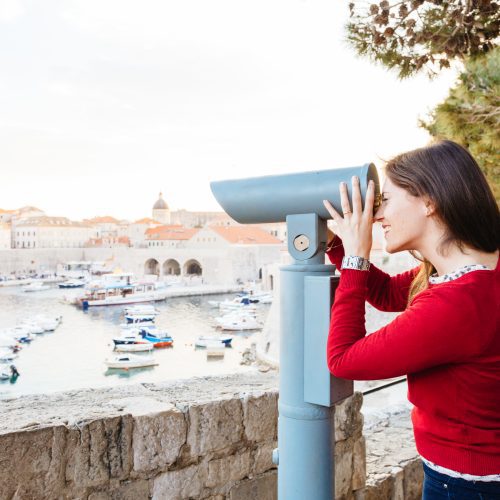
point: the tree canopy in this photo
(470, 115)
(414, 35)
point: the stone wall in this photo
(203, 438)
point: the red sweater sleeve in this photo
(385, 293)
(434, 330)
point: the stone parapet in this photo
(203, 438)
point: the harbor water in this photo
(72, 356)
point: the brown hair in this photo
(447, 174)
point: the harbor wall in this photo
(204, 438)
(229, 264)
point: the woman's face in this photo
(403, 217)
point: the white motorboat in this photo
(49, 324)
(74, 283)
(7, 356)
(141, 309)
(35, 287)
(126, 361)
(32, 326)
(244, 323)
(235, 315)
(148, 346)
(129, 338)
(205, 340)
(140, 318)
(120, 289)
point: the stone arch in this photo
(191, 267)
(152, 266)
(171, 268)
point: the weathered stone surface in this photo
(98, 451)
(263, 487)
(359, 464)
(343, 467)
(263, 457)
(130, 490)
(224, 472)
(260, 416)
(348, 418)
(413, 479)
(180, 484)
(28, 465)
(157, 439)
(215, 426)
(398, 487)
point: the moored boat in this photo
(146, 346)
(205, 340)
(127, 361)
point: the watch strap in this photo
(355, 262)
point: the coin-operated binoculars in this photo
(307, 391)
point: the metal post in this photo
(305, 425)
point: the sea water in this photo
(72, 356)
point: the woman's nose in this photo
(379, 214)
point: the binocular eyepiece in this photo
(272, 198)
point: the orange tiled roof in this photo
(106, 219)
(247, 235)
(146, 220)
(2, 211)
(47, 221)
(170, 233)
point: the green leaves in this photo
(423, 35)
(470, 115)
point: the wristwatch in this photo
(354, 262)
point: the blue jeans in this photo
(439, 486)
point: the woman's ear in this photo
(430, 207)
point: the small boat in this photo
(157, 338)
(204, 340)
(72, 284)
(126, 361)
(128, 339)
(244, 323)
(32, 327)
(141, 309)
(146, 346)
(35, 287)
(140, 318)
(7, 356)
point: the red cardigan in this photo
(448, 343)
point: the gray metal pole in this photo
(306, 446)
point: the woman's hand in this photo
(355, 228)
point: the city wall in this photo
(203, 438)
(220, 265)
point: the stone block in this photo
(343, 467)
(348, 418)
(214, 426)
(180, 484)
(263, 457)
(260, 416)
(413, 479)
(32, 463)
(129, 490)
(359, 464)
(398, 485)
(157, 440)
(224, 472)
(263, 487)
(98, 451)
(378, 490)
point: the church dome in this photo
(161, 204)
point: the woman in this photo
(435, 202)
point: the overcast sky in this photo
(105, 103)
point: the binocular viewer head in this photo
(274, 197)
